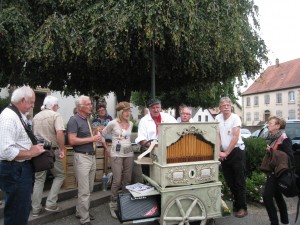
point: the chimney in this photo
(277, 62)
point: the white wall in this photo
(203, 114)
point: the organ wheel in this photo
(183, 210)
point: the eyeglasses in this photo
(186, 114)
(87, 104)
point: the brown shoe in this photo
(241, 213)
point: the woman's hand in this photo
(268, 148)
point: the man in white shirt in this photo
(148, 126)
(232, 155)
(16, 151)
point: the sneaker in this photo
(54, 208)
(37, 213)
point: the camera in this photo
(118, 147)
(47, 144)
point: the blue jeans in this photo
(16, 180)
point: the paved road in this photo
(257, 216)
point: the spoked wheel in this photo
(184, 210)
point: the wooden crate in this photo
(99, 175)
(70, 181)
(99, 152)
(100, 164)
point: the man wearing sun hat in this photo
(148, 125)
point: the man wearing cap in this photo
(121, 154)
(49, 125)
(148, 125)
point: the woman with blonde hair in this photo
(121, 153)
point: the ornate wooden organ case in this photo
(187, 153)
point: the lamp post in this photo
(153, 73)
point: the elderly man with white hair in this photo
(16, 151)
(49, 125)
(83, 141)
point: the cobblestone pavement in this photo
(256, 216)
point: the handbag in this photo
(265, 164)
(287, 182)
(44, 161)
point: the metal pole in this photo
(153, 73)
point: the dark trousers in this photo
(271, 192)
(234, 173)
(16, 182)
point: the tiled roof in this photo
(286, 75)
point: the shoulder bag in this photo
(44, 161)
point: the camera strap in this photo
(28, 131)
(94, 144)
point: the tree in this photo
(92, 46)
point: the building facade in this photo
(275, 92)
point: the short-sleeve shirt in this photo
(226, 127)
(119, 136)
(46, 123)
(80, 127)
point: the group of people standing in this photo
(16, 151)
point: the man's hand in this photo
(61, 154)
(36, 150)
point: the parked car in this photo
(255, 133)
(292, 130)
(245, 133)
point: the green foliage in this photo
(4, 102)
(255, 186)
(255, 179)
(255, 151)
(88, 47)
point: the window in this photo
(279, 113)
(206, 118)
(248, 101)
(248, 117)
(199, 118)
(292, 114)
(256, 116)
(278, 98)
(291, 96)
(256, 100)
(267, 99)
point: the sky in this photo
(279, 21)
(279, 27)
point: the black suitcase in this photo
(136, 208)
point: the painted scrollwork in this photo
(205, 173)
(177, 175)
(192, 130)
(213, 194)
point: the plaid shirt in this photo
(13, 136)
